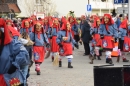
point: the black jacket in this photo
(85, 32)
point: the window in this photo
(103, 0)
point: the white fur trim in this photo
(70, 56)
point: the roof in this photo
(8, 1)
(14, 7)
(6, 8)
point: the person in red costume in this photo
(109, 34)
(124, 39)
(65, 40)
(96, 39)
(39, 37)
(9, 49)
(26, 26)
(52, 35)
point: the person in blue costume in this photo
(12, 56)
(109, 34)
(52, 35)
(124, 40)
(46, 24)
(65, 40)
(39, 37)
(26, 26)
(96, 39)
(74, 28)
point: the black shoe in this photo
(110, 61)
(60, 63)
(125, 60)
(98, 57)
(94, 56)
(38, 73)
(107, 60)
(100, 52)
(69, 65)
(52, 59)
(86, 54)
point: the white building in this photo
(80, 6)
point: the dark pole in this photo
(88, 1)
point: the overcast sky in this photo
(64, 6)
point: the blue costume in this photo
(124, 39)
(108, 32)
(40, 43)
(13, 55)
(66, 44)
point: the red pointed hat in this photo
(110, 19)
(7, 38)
(124, 24)
(94, 16)
(10, 22)
(95, 22)
(34, 23)
(13, 31)
(74, 20)
(23, 22)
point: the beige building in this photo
(99, 7)
(80, 7)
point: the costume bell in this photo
(39, 37)
(108, 33)
(12, 55)
(65, 40)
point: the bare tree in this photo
(27, 6)
(49, 7)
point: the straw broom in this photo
(56, 60)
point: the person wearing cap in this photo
(109, 34)
(12, 54)
(65, 40)
(52, 35)
(96, 39)
(124, 41)
(39, 37)
(26, 26)
(74, 26)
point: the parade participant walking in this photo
(52, 35)
(74, 26)
(108, 33)
(85, 36)
(65, 41)
(124, 40)
(12, 55)
(26, 26)
(96, 39)
(38, 36)
(46, 24)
